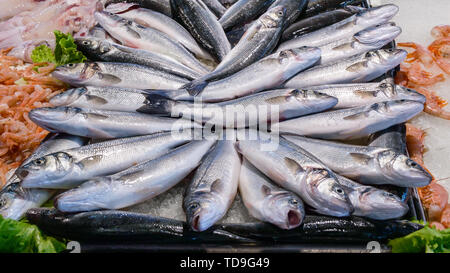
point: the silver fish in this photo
(373, 203)
(293, 9)
(135, 184)
(67, 169)
(103, 98)
(162, 6)
(257, 42)
(131, 34)
(165, 24)
(249, 111)
(100, 124)
(216, 7)
(352, 123)
(345, 28)
(203, 25)
(243, 11)
(117, 75)
(298, 171)
(363, 41)
(102, 50)
(270, 72)
(267, 202)
(361, 68)
(214, 186)
(360, 94)
(16, 200)
(367, 165)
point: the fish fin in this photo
(109, 78)
(96, 99)
(293, 166)
(365, 94)
(216, 186)
(361, 158)
(91, 160)
(359, 115)
(156, 104)
(124, 49)
(96, 116)
(99, 134)
(266, 190)
(276, 100)
(194, 88)
(344, 47)
(134, 33)
(346, 25)
(357, 66)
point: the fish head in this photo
(294, 60)
(45, 117)
(380, 204)
(386, 58)
(409, 94)
(401, 167)
(45, 169)
(76, 73)
(378, 36)
(12, 202)
(68, 97)
(110, 20)
(93, 47)
(397, 109)
(377, 15)
(329, 196)
(284, 209)
(274, 17)
(202, 210)
(313, 99)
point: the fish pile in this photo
(162, 81)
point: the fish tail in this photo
(194, 88)
(157, 105)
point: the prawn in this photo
(418, 76)
(440, 50)
(434, 103)
(420, 53)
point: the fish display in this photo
(167, 105)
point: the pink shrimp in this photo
(420, 53)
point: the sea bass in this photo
(214, 186)
(101, 124)
(16, 200)
(367, 165)
(296, 170)
(203, 25)
(103, 50)
(267, 202)
(361, 68)
(351, 123)
(345, 28)
(136, 184)
(67, 169)
(243, 11)
(270, 72)
(123, 75)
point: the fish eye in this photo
(71, 65)
(412, 163)
(280, 13)
(39, 161)
(340, 191)
(293, 202)
(86, 43)
(388, 194)
(194, 206)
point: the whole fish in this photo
(216, 7)
(103, 98)
(360, 94)
(373, 203)
(165, 24)
(100, 124)
(345, 28)
(369, 39)
(393, 137)
(298, 171)
(258, 41)
(361, 68)
(249, 111)
(214, 186)
(131, 34)
(243, 11)
(123, 75)
(268, 73)
(318, 6)
(16, 200)
(318, 21)
(67, 169)
(102, 50)
(203, 25)
(293, 9)
(162, 6)
(119, 226)
(267, 202)
(351, 123)
(367, 165)
(136, 184)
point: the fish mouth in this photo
(196, 223)
(294, 219)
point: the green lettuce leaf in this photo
(65, 51)
(22, 237)
(426, 240)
